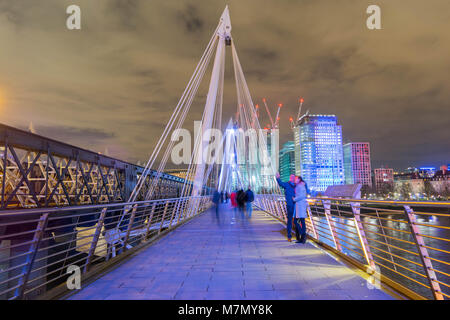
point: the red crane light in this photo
(302, 100)
(264, 99)
(280, 105)
(256, 106)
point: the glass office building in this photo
(318, 151)
(357, 166)
(287, 160)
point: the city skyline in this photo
(134, 65)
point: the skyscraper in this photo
(318, 151)
(287, 160)
(357, 166)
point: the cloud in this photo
(191, 19)
(67, 134)
(124, 72)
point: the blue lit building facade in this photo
(318, 151)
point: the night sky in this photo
(114, 83)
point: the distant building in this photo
(384, 176)
(427, 172)
(442, 174)
(287, 160)
(318, 151)
(357, 166)
(273, 151)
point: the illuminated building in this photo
(318, 151)
(427, 172)
(384, 176)
(287, 160)
(357, 166)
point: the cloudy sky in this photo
(114, 83)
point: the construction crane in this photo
(268, 112)
(301, 100)
(277, 119)
(256, 114)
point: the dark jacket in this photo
(241, 197)
(289, 192)
(250, 195)
(216, 197)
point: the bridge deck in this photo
(234, 259)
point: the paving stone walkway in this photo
(232, 259)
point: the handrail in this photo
(83, 207)
(49, 240)
(407, 252)
(385, 202)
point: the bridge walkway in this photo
(230, 258)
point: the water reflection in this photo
(394, 246)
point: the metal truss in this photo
(40, 172)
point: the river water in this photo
(392, 233)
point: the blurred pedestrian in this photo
(216, 201)
(241, 197)
(250, 197)
(233, 200)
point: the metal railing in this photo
(38, 245)
(404, 244)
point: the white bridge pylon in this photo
(240, 172)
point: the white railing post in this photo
(163, 217)
(149, 222)
(423, 253)
(34, 247)
(313, 227)
(130, 226)
(174, 211)
(181, 209)
(95, 238)
(327, 210)
(356, 208)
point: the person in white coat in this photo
(301, 204)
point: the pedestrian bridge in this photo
(231, 257)
(179, 249)
(67, 212)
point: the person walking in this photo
(216, 201)
(233, 200)
(289, 193)
(241, 198)
(250, 197)
(301, 205)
